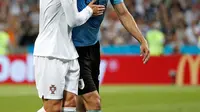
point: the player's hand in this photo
(144, 49)
(97, 9)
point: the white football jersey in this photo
(57, 19)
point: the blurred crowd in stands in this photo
(162, 22)
(19, 22)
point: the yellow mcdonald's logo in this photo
(194, 67)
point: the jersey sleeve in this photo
(114, 2)
(73, 16)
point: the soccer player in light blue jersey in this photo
(85, 39)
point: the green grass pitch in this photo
(114, 99)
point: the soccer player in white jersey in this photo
(55, 57)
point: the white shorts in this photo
(53, 76)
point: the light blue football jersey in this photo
(88, 33)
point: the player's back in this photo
(54, 39)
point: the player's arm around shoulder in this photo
(129, 23)
(76, 18)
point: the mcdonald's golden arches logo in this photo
(194, 67)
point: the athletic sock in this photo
(94, 111)
(41, 110)
(69, 109)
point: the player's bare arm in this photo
(129, 23)
(76, 18)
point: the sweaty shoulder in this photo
(114, 2)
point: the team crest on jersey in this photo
(52, 89)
